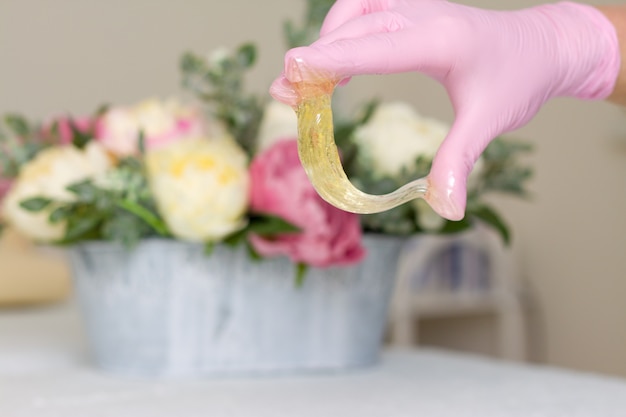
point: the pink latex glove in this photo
(498, 67)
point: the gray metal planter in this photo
(167, 309)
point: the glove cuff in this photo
(593, 49)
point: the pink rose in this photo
(64, 133)
(280, 186)
(161, 122)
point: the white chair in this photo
(500, 296)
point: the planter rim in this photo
(110, 245)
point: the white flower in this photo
(48, 175)
(201, 187)
(279, 122)
(396, 135)
(161, 122)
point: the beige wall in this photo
(570, 240)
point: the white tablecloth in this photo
(44, 372)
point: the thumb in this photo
(454, 161)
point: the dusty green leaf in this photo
(493, 219)
(35, 204)
(270, 226)
(17, 124)
(301, 270)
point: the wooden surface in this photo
(30, 274)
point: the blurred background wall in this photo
(70, 56)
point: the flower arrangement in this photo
(226, 170)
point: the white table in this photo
(44, 373)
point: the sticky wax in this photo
(320, 157)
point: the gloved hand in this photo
(498, 67)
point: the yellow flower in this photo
(201, 187)
(48, 175)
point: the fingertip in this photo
(450, 207)
(447, 193)
(309, 64)
(283, 91)
(293, 65)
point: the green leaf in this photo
(60, 213)
(81, 226)
(308, 29)
(35, 204)
(489, 216)
(123, 227)
(246, 55)
(85, 190)
(500, 149)
(451, 227)
(252, 253)
(101, 111)
(141, 142)
(209, 247)
(79, 138)
(270, 226)
(17, 124)
(235, 238)
(146, 215)
(104, 201)
(54, 130)
(301, 270)
(190, 63)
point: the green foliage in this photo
(490, 217)
(264, 225)
(18, 125)
(80, 139)
(301, 270)
(308, 31)
(18, 144)
(502, 172)
(219, 82)
(35, 204)
(121, 209)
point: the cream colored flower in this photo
(396, 135)
(201, 187)
(48, 175)
(279, 122)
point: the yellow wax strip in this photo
(320, 158)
